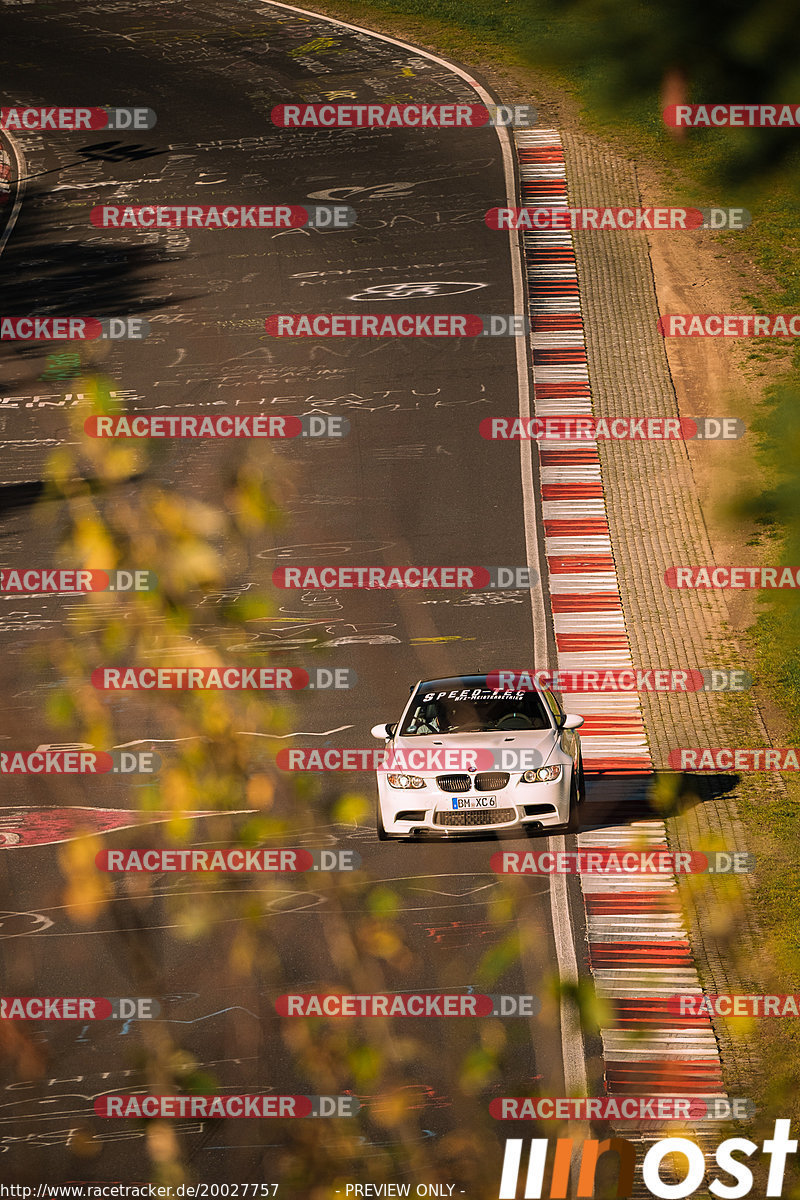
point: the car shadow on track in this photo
(617, 799)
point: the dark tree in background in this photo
(633, 59)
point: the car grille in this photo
(453, 783)
(485, 781)
(491, 816)
(491, 781)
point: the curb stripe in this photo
(638, 944)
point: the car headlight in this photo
(405, 781)
(543, 774)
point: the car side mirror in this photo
(571, 721)
(383, 731)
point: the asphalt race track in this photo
(412, 482)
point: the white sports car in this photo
(525, 730)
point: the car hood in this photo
(543, 740)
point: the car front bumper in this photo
(430, 811)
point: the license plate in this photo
(461, 802)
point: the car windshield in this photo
(473, 710)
